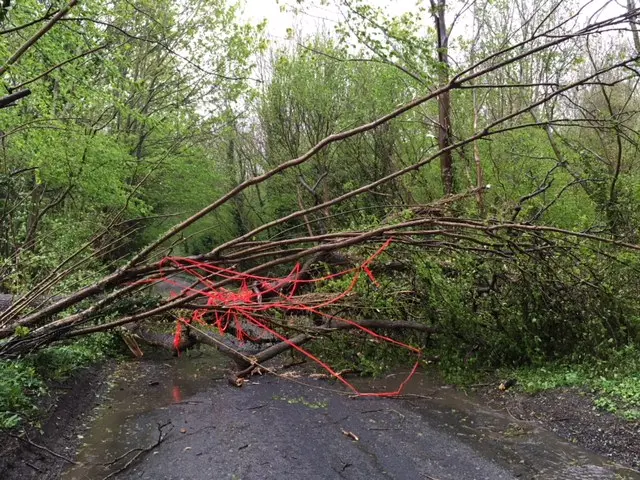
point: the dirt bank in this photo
(571, 414)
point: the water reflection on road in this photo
(137, 387)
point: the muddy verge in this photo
(572, 415)
(65, 410)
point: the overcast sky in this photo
(316, 17)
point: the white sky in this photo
(324, 17)
(317, 17)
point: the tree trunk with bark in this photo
(438, 8)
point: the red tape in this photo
(246, 303)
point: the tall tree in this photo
(438, 10)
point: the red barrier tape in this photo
(246, 303)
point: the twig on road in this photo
(140, 451)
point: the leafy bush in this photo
(19, 385)
(59, 362)
(527, 309)
(23, 381)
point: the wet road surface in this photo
(280, 428)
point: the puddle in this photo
(136, 387)
(525, 447)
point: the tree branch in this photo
(39, 34)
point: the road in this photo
(280, 428)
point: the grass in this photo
(23, 381)
(615, 382)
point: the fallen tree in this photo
(236, 287)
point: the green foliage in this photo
(360, 353)
(528, 310)
(615, 381)
(59, 362)
(19, 386)
(23, 381)
(312, 96)
(491, 313)
(121, 133)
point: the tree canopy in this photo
(495, 141)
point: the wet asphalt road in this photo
(282, 430)
(278, 428)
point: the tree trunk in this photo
(444, 101)
(631, 6)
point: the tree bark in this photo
(444, 100)
(631, 7)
